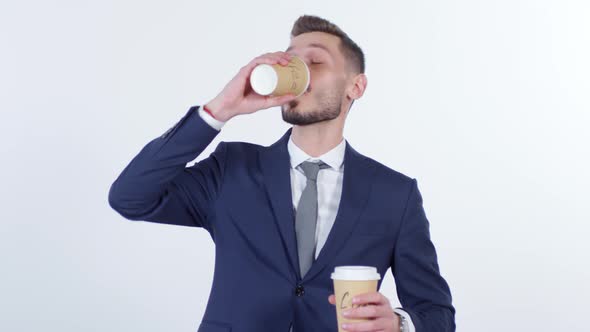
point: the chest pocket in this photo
(374, 226)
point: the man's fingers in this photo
(369, 311)
(280, 100)
(370, 298)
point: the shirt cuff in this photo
(210, 120)
(407, 317)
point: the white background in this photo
(485, 103)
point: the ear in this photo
(358, 86)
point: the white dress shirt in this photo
(329, 184)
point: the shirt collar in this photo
(334, 158)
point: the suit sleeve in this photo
(157, 186)
(423, 292)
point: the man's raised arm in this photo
(157, 186)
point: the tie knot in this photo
(311, 169)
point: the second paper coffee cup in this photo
(277, 80)
(350, 281)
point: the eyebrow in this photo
(316, 45)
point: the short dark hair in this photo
(350, 50)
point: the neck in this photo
(318, 138)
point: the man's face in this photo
(325, 95)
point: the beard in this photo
(328, 107)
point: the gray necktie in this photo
(307, 214)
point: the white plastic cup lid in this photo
(355, 272)
(264, 79)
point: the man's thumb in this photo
(332, 299)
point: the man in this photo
(282, 217)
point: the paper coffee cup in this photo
(350, 281)
(277, 80)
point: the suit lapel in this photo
(357, 179)
(356, 183)
(276, 169)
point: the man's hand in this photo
(374, 306)
(238, 97)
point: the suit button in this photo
(299, 290)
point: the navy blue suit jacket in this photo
(241, 194)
